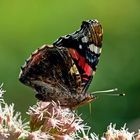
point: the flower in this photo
(58, 122)
(1, 91)
(11, 125)
(39, 135)
(138, 135)
(122, 134)
(50, 121)
(94, 136)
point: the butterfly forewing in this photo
(85, 48)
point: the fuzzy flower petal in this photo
(38, 135)
(59, 122)
(11, 125)
(122, 134)
(1, 91)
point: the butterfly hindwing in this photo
(51, 70)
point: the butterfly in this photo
(63, 71)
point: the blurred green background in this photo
(26, 25)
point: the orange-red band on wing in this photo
(81, 61)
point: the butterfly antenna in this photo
(110, 92)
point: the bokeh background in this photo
(26, 25)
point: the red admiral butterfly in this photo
(63, 71)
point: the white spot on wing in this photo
(96, 20)
(91, 46)
(80, 46)
(95, 49)
(85, 39)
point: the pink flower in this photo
(11, 125)
(50, 121)
(122, 134)
(39, 135)
(59, 122)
